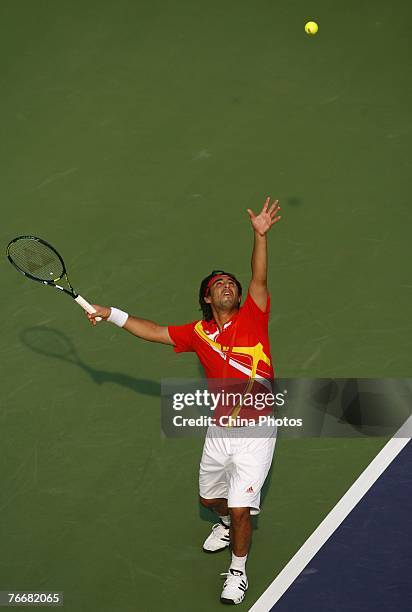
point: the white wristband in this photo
(118, 317)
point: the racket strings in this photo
(35, 258)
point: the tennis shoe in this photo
(235, 587)
(218, 540)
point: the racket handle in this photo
(86, 306)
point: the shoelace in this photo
(232, 578)
(216, 525)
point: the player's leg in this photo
(218, 505)
(236, 583)
(240, 531)
(252, 458)
(213, 492)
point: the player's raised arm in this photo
(261, 224)
(142, 328)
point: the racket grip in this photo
(86, 306)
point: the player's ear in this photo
(207, 299)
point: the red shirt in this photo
(240, 351)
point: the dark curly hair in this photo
(206, 308)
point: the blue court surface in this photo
(366, 563)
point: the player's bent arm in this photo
(148, 330)
(142, 328)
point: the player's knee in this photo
(207, 503)
(238, 515)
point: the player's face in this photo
(224, 294)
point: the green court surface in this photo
(134, 136)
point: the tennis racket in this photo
(38, 260)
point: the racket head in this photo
(36, 259)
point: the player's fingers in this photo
(266, 204)
(95, 317)
(251, 213)
(101, 312)
(275, 206)
(91, 320)
(276, 219)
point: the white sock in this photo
(238, 563)
(225, 520)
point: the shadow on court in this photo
(294, 201)
(53, 343)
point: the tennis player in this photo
(232, 343)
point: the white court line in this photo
(335, 517)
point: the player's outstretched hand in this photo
(101, 311)
(268, 216)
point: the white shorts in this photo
(234, 467)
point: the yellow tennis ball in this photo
(311, 27)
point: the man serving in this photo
(231, 342)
